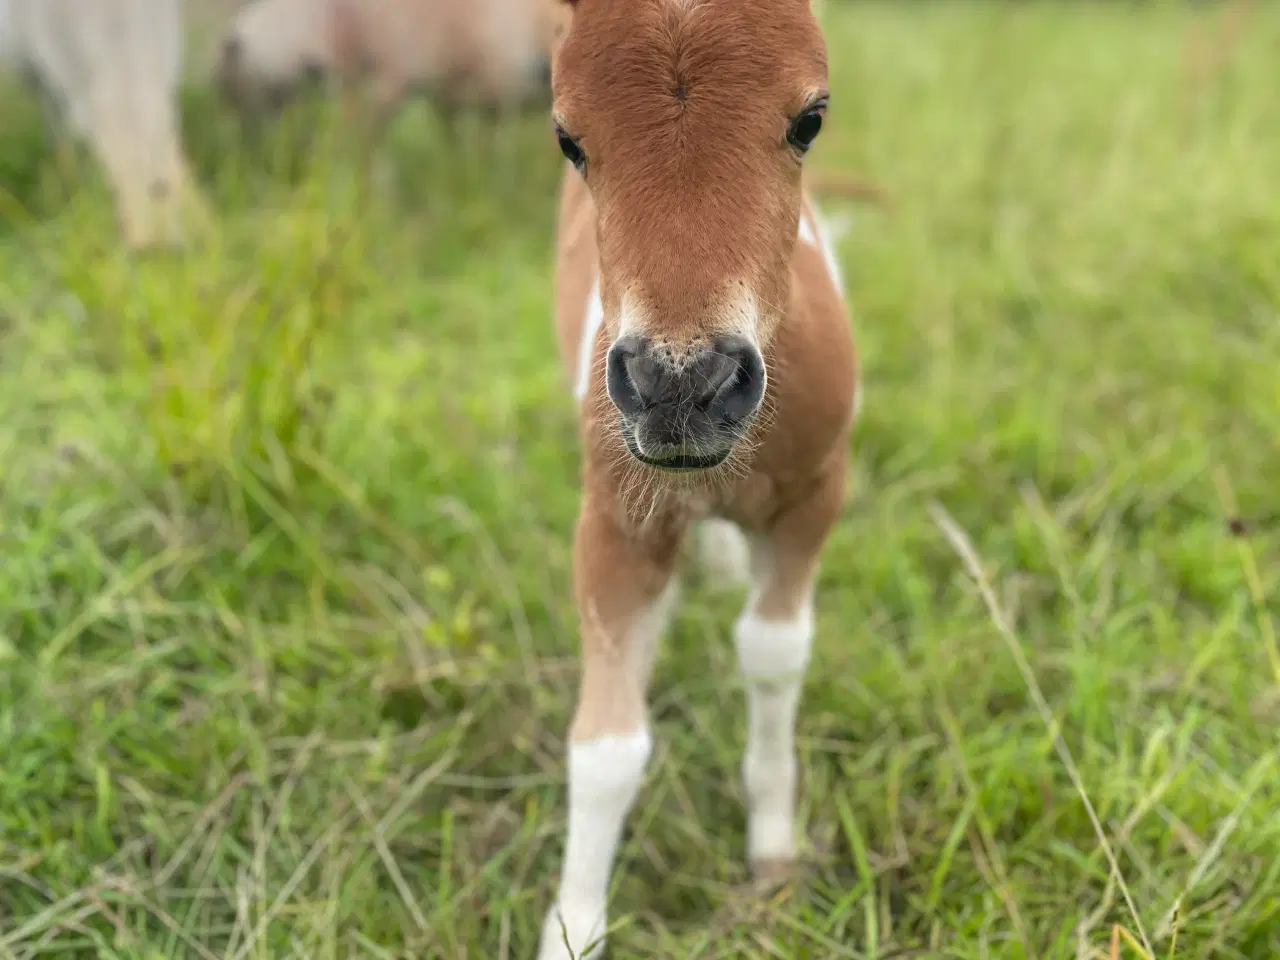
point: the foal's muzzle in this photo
(684, 411)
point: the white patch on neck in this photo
(820, 234)
(587, 346)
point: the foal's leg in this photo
(625, 593)
(773, 637)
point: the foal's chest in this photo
(750, 502)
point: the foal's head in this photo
(689, 120)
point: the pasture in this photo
(286, 630)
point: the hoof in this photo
(584, 930)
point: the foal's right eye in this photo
(571, 150)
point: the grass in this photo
(285, 623)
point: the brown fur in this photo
(690, 201)
(682, 107)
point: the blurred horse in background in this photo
(108, 72)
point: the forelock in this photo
(639, 55)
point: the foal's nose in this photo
(724, 381)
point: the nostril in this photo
(619, 380)
(739, 394)
(714, 374)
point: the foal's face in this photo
(689, 120)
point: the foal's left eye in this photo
(572, 150)
(806, 126)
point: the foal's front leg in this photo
(773, 636)
(625, 593)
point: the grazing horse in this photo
(700, 317)
(481, 53)
(110, 72)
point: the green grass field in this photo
(286, 637)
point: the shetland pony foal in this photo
(700, 314)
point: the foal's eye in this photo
(571, 150)
(806, 126)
